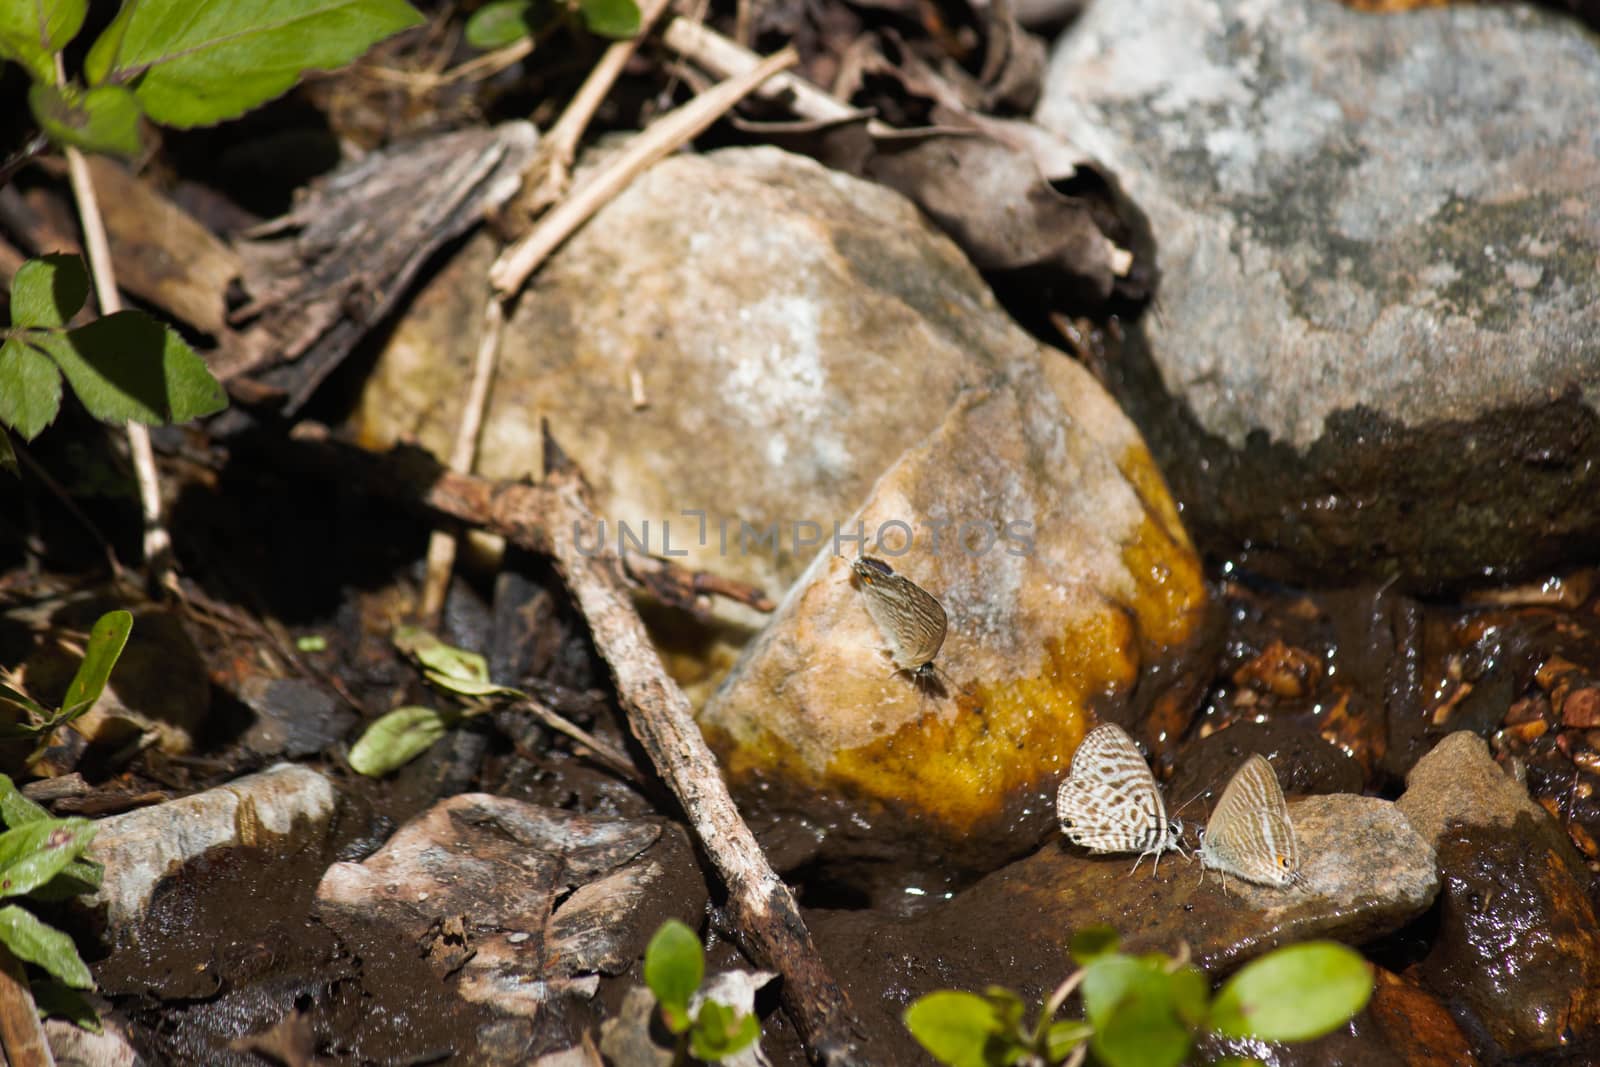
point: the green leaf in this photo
(46, 292)
(673, 967)
(397, 739)
(28, 705)
(1064, 1036)
(1191, 994)
(16, 809)
(102, 119)
(1091, 943)
(31, 940)
(195, 64)
(107, 639)
(959, 1029)
(1294, 994)
(1129, 1002)
(719, 1032)
(1143, 1029)
(53, 998)
(34, 853)
(32, 31)
(455, 669)
(499, 24)
(30, 388)
(617, 19)
(1008, 1007)
(8, 458)
(129, 366)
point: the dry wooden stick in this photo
(660, 717)
(562, 143)
(660, 138)
(21, 1032)
(463, 456)
(726, 58)
(523, 514)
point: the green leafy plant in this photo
(107, 638)
(175, 62)
(121, 366)
(42, 858)
(674, 968)
(181, 63)
(1145, 1011)
(505, 22)
(406, 733)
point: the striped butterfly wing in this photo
(1249, 834)
(1109, 801)
(908, 616)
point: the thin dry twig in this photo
(522, 514)
(21, 1032)
(511, 271)
(767, 916)
(463, 456)
(602, 752)
(727, 58)
(157, 543)
(562, 143)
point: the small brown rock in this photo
(1518, 944)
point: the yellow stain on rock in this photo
(1010, 740)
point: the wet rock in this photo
(294, 718)
(75, 1047)
(1041, 637)
(1416, 1024)
(1366, 873)
(281, 814)
(1517, 947)
(1378, 344)
(1305, 763)
(513, 906)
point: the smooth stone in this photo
(1106, 598)
(552, 900)
(1305, 763)
(1376, 342)
(1517, 947)
(1367, 873)
(744, 334)
(285, 811)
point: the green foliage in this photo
(123, 366)
(617, 19)
(406, 733)
(107, 638)
(42, 857)
(504, 22)
(1145, 1011)
(182, 63)
(1294, 994)
(674, 967)
(398, 738)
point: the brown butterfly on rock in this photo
(910, 618)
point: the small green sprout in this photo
(674, 968)
(1145, 1011)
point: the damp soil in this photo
(1341, 690)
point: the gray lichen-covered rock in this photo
(1376, 346)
